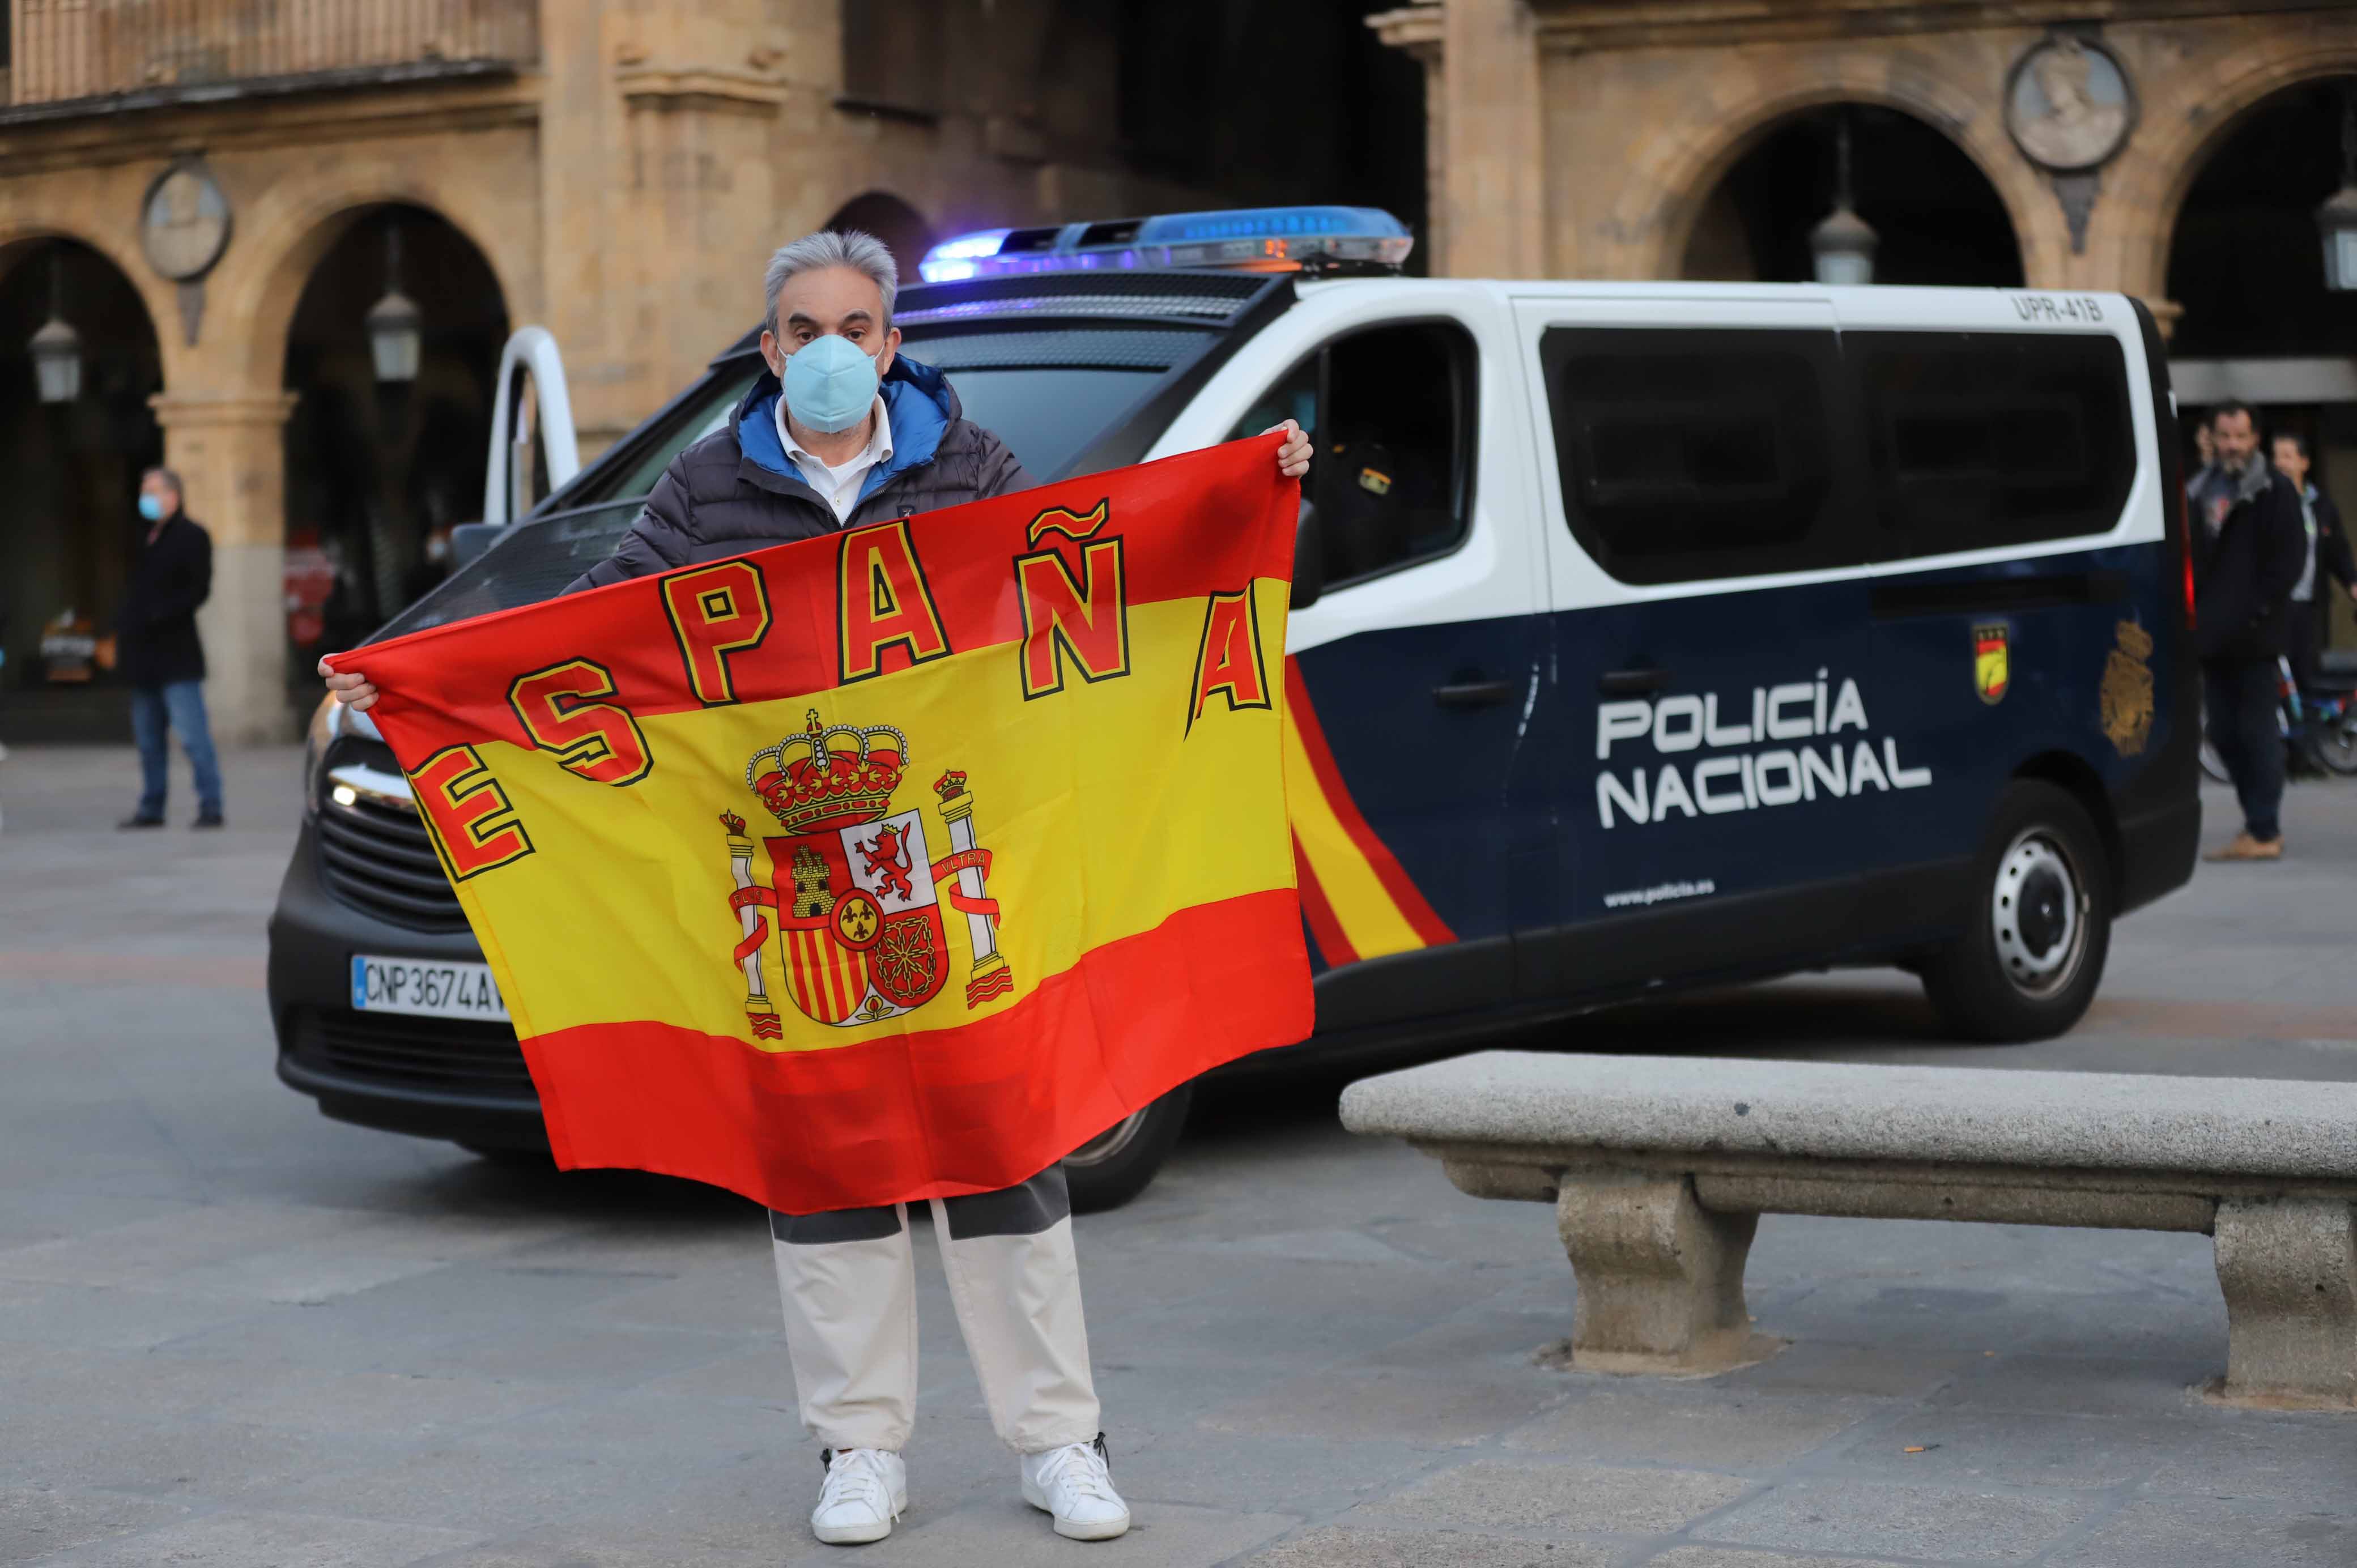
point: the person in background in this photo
(2248, 543)
(2328, 558)
(161, 655)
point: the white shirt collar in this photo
(877, 450)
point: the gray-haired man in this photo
(843, 430)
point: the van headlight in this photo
(326, 723)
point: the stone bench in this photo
(1658, 1169)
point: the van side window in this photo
(1390, 411)
(1993, 438)
(1696, 454)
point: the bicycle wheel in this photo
(2336, 745)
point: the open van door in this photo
(532, 399)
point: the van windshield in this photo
(1048, 394)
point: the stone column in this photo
(1490, 205)
(2289, 1267)
(1661, 1277)
(230, 451)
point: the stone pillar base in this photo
(1661, 1277)
(2289, 1267)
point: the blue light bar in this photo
(1252, 239)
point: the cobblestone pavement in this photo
(234, 1334)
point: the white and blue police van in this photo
(1646, 635)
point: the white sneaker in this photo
(866, 1489)
(1072, 1485)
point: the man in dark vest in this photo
(156, 638)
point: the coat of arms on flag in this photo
(856, 898)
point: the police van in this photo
(1644, 636)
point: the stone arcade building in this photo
(2176, 150)
(213, 195)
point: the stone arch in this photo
(2186, 116)
(294, 226)
(901, 226)
(1673, 176)
(21, 239)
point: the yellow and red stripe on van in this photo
(1359, 900)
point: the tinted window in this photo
(1048, 415)
(532, 562)
(1689, 455)
(1988, 438)
(1391, 413)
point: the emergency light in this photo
(1251, 238)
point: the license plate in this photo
(426, 988)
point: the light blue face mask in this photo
(151, 509)
(830, 383)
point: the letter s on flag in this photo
(597, 741)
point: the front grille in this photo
(402, 1052)
(377, 857)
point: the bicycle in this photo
(2318, 729)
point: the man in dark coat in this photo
(2327, 561)
(2249, 544)
(160, 654)
(844, 430)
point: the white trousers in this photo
(849, 1279)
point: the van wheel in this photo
(2041, 925)
(1116, 1164)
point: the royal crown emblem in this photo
(811, 781)
(856, 898)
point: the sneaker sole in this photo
(1110, 1530)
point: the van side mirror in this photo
(1309, 558)
(469, 540)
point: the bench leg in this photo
(1661, 1277)
(2289, 1267)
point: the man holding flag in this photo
(844, 433)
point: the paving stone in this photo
(1339, 1547)
(1428, 1410)
(37, 1521)
(1721, 1557)
(1712, 1430)
(273, 1541)
(388, 1405)
(496, 1489)
(1820, 1367)
(1315, 1479)
(2087, 1385)
(1004, 1530)
(171, 1459)
(1902, 1521)
(2300, 1458)
(1563, 1497)
(1969, 1447)
(2204, 1532)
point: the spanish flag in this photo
(887, 866)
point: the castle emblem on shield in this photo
(854, 893)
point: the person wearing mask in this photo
(2248, 544)
(2328, 558)
(160, 654)
(845, 430)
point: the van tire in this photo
(2008, 979)
(1117, 1163)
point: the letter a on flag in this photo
(890, 865)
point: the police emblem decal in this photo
(855, 898)
(2127, 691)
(1992, 661)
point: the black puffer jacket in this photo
(736, 490)
(2243, 573)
